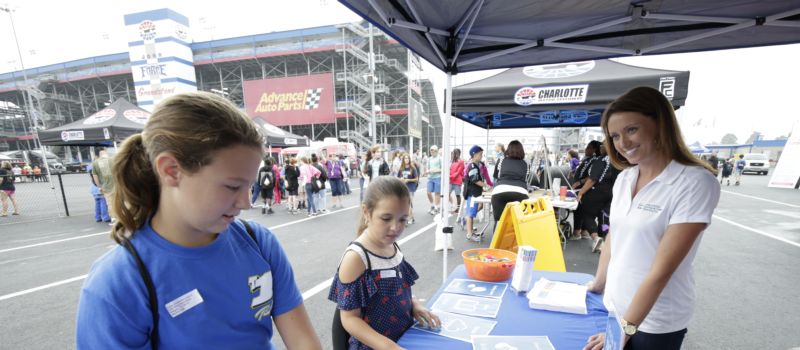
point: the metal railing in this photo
(65, 194)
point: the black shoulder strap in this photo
(366, 254)
(151, 291)
(249, 229)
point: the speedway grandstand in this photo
(338, 55)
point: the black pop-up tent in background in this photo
(558, 95)
(277, 137)
(104, 128)
(462, 36)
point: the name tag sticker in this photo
(184, 303)
(388, 273)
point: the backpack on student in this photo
(151, 289)
(268, 179)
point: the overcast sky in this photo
(732, 91)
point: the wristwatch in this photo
(629, 328)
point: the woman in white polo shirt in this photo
(663, 201)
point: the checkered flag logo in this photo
(312, 98)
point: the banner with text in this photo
(306, 99)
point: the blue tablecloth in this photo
(566, 331)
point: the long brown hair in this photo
(190, 126)
(651, 103)
(383, 187)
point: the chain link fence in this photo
(40, 198)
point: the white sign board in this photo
(787, 172)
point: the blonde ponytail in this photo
(136, 188)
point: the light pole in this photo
(29, 101)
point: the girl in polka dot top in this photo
(372, 287)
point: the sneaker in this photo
(596, 244)
(263, 210)
(586, 236)
(270, 211)
(410, 221)
(474, 237)
(575, 238)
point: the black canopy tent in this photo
(570, 94)
(277, 137)
(461, 36)
(104, 128)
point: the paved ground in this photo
(746, 269)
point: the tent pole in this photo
(445, 179)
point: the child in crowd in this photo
(187, 274)
(474, 183)
(409, 174)
(372, 287)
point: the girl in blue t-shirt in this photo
(372, 288)
(187, 274)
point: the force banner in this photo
(297, 100)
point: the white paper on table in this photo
(460, 327)
(507, 342)
(477, 288)
(558, 296)
(468, 305)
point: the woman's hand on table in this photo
(596, 342)
(592, 287)
(425, 317)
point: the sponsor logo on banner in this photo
(136, 116)
(181, 32)
(153, 71)
(148, 92)
(561, 70)
(76, 135)
(667, 87)
(289, 101)
(100, 116)
(527, 96)
(147, 30)
(106, 134)
(290, 141)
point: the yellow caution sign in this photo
(533, 223)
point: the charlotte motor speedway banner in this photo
(296, 100)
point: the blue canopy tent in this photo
(462, 36)
(558, 95)
(697, 148)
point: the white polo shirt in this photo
(680, 194)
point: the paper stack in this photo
(558, 296)
(522, 279)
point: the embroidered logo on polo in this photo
(261, 284)
(652, 208)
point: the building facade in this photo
(349, 81)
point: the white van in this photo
(756, 163)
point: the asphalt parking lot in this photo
(746, 270)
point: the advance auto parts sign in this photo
(306, 99)
(527, 96)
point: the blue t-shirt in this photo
(740, 164)
(243, 284)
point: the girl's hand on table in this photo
(425, 317)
